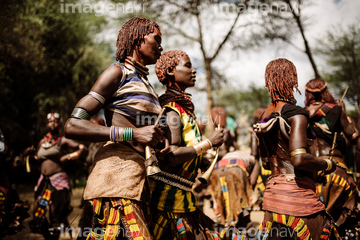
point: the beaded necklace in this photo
(291, 101)
(50, 140)
(182, 98)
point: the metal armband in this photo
(80, 113)
(297, 151)
(98, 97)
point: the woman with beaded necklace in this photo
(116, 186)
(53, 187)
(292, 209)
(174, 209)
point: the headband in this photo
(315, 90)
(53, 115)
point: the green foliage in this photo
(48, 61)
(341, 48)
(246, 101)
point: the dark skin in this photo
(106, 85)
(184, 76)
(304, 164)
(51, 166)
(229, 141)
(254, 145)
(321, 147)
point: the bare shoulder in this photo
(298, 120)
(173, 121)
(110, 78)
(173, 118)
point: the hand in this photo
(217, 138)
(162, 148)
(148, 135)
(320, 177)
(30, 151)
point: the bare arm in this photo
(352, 134)
(254, 144)
(180, 155)
(349, 129)
(255, 173)
(254, 152)
(298, 139)
(81, 149)
(85, 130)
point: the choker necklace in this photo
(50, 140)
(141, 69)
(291, 101)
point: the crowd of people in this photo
(145, 158)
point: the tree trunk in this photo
(307, 47)
(209, 88)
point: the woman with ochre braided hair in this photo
(173, 204)
(327, 118)
(116, 186)
(53, 187)
(292, 209)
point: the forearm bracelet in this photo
(297, 151)
(73, 156)
(119, 134)
(202, 147)
(80, 113)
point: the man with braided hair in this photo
(292, 209)
(327, 118)
(116, 187)
(172, 201)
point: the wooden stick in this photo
(335, 135)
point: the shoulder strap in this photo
(267, 126)
(322, 111)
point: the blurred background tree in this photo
(341, 48)
(248, 100)
(48, 60)
(218, 30)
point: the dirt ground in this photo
(25, 192)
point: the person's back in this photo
(290, 203)
(275, 150)
(231, 188)
(329, 124)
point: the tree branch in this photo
(307, 48)
(201, 40)
(182, 33)
(182, 7)
(227, 35)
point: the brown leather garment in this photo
(239, 191)
(288, 194)
(119, 171)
